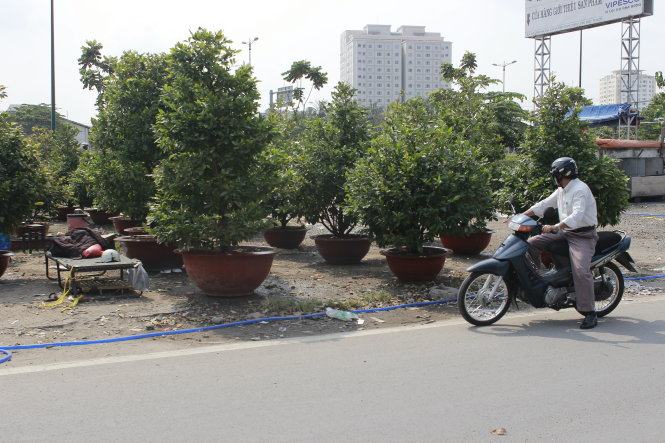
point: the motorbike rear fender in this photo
(625, 260)
(491, 265)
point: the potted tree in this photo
(278, 162)
(333, 145)
(417, 180)
(209, 189)
(19, 185)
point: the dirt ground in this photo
(300, 282)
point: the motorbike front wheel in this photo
(483, 298)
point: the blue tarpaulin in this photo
(604, 114)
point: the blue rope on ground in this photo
(639, 214)
(648, 277)
(5, 350)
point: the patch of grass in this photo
(292, 305)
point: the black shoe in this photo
(590, 321)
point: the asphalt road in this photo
(537, 376)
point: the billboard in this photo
(548, 17)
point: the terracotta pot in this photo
(63, 211)
(348, 250)
(98, 216)
(472, 244)
(289, 237)
(121, 223)
(411, 268)
(153, 255)
(229, 274)
(138, 230)
(75, 221)
(5, 256)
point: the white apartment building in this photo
(382, 65)
(610, 89)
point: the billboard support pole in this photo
(542, 72)
(580, 79)
(630, 74)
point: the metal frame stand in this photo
(630, 75)
(542, 70)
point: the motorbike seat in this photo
(606, 240)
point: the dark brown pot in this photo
(5, 256)
(63, 211)
(229, 274)
(411, 268)
(99, 217)
(121, 223)
(342, 250)
(472, 244)
(289, 237)
(154, 256)
(139, 230)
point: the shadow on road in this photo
(610, 330)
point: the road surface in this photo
(535, 375)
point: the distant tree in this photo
(93, 66)
(300, 71)
(655, 113)
(660, 80)
(3, 92)
(29, 117)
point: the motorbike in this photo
(515, 272)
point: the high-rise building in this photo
(385, 66)
(610, 89)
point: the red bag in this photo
(93, 251)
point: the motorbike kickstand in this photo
(517, 306)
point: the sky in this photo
(288, 30)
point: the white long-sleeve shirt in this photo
(575, 202)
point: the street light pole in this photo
(52, 71)
(503, 66)
(249, 44)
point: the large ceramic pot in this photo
(289, 237)
(472, 244)
(5, 256)
(154, 256)
(41, 228)
(229, 274)
(62, 212)
(121, 223)
(77, 221)
(348, 250)
(411, 268)
(98, 216)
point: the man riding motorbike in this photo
(578, 219)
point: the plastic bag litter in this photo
(138, 278)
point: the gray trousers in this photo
(582, 246)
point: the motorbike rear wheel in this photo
(483, 298)
(615, 279)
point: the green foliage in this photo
(18, 176)
(490, 121)
(303, 70)
(655, 112)
(556, 134)
(82, 181)
(278, 163)
(3, 92)
(333, 144)
(58, 153)
(660, 80)
(93, 66)
(418, 180)
(123, 132)
(209, 190)
(34, 116)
